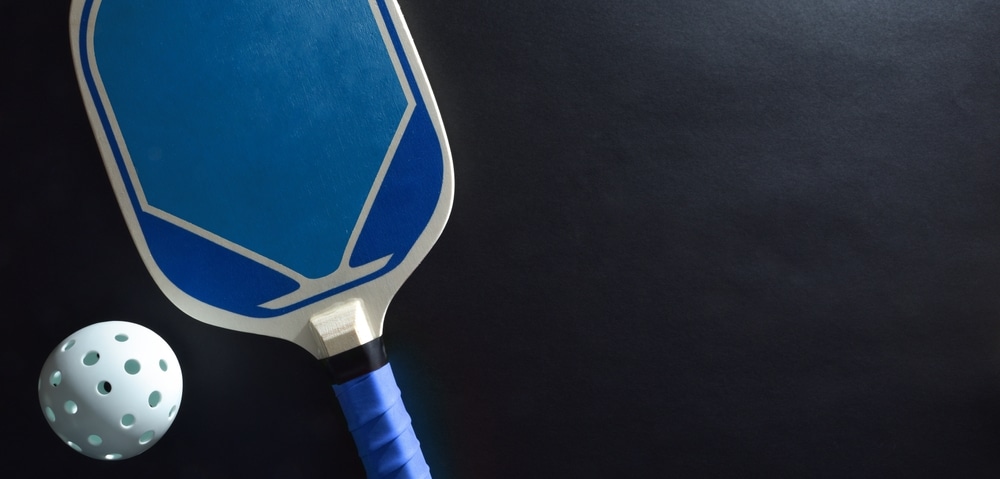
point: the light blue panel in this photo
(265, 134)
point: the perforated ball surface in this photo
(111, 390)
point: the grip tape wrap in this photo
(381, 426)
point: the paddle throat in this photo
(349, 341)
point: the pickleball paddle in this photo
(282, 168)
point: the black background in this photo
(691, 238)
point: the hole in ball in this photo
(94, 440)
(91, 358)
(121, 338)
(154, 398)
(146, 437)
(132, 366)
(70, 407)
(69, 344)
(55, 378)
(104, 387)
(128, 420)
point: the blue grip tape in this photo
(381, 426)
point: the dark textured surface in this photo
(690, 239)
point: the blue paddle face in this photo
(271, 157)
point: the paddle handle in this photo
(381, 426)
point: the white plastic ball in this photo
(111, 390)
